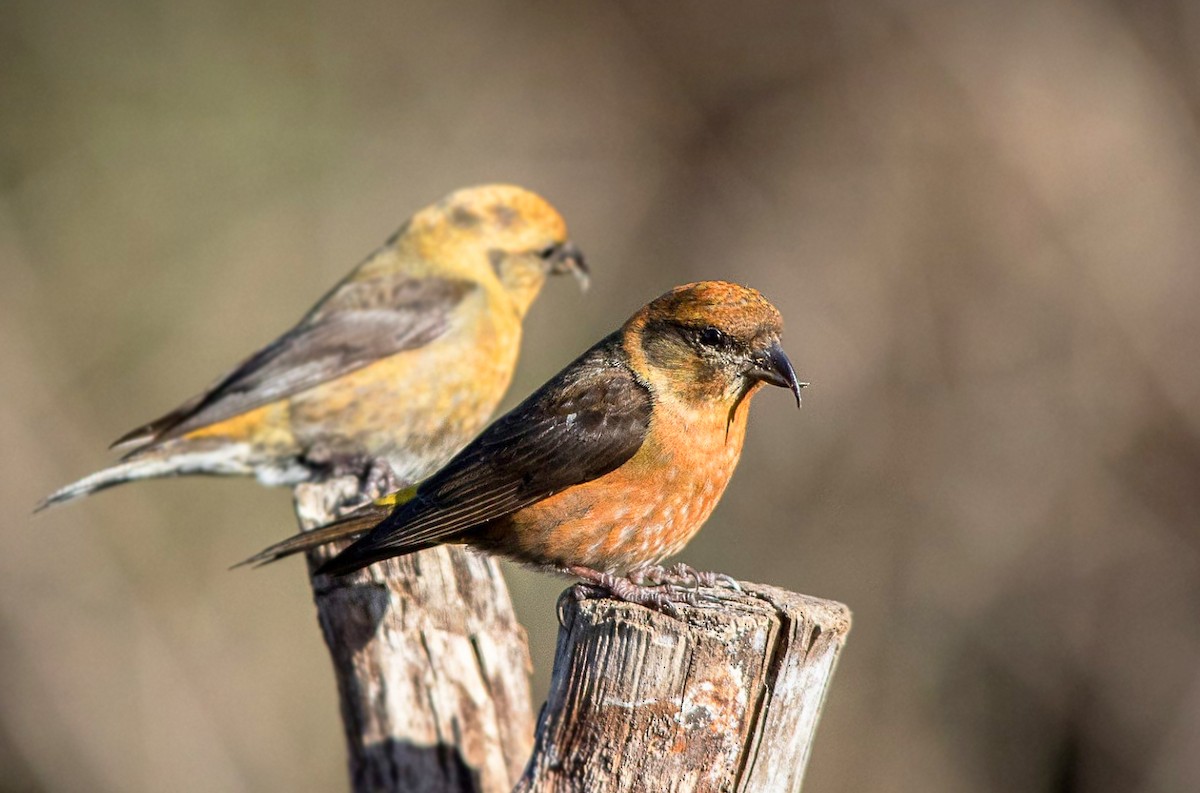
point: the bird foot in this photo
(683, 576)
(577, 592)
(608, 585)
(662, 589)
(378, 479)
(375, 475)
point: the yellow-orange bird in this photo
(403, 361)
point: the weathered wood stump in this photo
(433, 674)
(432, 666)
(726, 699)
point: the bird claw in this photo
(683, 576)
(374, 474)
(378, 479)
(658, 598)
(656, 587)
(706, 578)
(598, 584)
(703, 596)
(577, 592)
(723, 581)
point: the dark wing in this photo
(357, 324)
(587, 421)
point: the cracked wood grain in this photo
(432, 666)
(726, 699)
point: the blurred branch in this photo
(726, 699)
(432, 667)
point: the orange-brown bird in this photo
(403, 361)
(611, 466)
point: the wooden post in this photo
(726, 699)
(432, 666)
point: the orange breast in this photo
(643, 512)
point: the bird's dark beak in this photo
(567, 258)
(772, 366)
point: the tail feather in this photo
(155, 430)
(304, 541)
(363, 553)
(355, 524)
(158, 462)
(110, 477)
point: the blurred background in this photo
(981, 221)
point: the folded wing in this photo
(357, 324)
(587, 421)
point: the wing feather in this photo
(358, 323)
(587, 421)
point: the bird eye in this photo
(711, 337)
(549, 251)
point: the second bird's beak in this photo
(772, 366)
(567, 258)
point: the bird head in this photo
(497, 231)
(712, 340)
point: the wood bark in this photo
(725, 699)
(432, 666)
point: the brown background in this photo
(980, 220)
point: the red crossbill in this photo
(611, 466)
(403, 361)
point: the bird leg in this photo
(374, 474)
(379, 479)
(599, 584)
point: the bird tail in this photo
(362, 553)
(355, 524)
(150, 466)
(155, 463)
